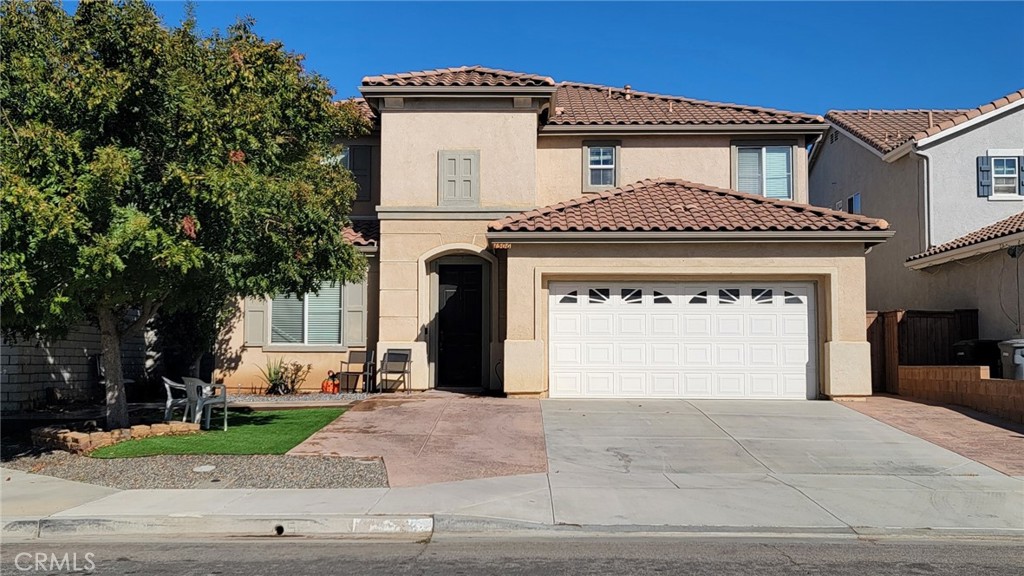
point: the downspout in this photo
(926, 194)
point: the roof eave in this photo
(697, 129)
(923, 140)
(816, 236)
(1015, 239)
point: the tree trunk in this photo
(110, 342)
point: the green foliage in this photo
(151, 168)
(284, 377)
(138, 161)
(263, 432)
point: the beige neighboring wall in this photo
(704, 159)
(837, 268)
(411, 140)
(407, 248)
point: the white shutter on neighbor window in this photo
(324, 311)
(778, 172)
(748, 170)
(286, 320)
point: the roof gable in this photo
(461, 76)
(669, 205)
(591, 104)
(887, 130)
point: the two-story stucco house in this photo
(543, 238)
(951, 184)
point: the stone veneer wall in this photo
(967, 386)
(28, 369)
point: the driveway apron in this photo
(438, 437)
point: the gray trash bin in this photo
(1012, 353)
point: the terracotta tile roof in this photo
(583, 104)
(363, 232)
(886, 130)
(668, 205)
(461, 76)
(1012, 225)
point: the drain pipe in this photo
(926, 189)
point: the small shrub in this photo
(285, 377)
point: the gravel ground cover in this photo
(265, 471)
(314, 397)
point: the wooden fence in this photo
(914, 338)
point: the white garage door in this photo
(682, 340)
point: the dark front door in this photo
(459, 325)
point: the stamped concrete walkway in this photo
(438, 437)
(994, 442)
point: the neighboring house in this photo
(543, 238)
(941, 178)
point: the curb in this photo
(238, 526)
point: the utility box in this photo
(1013, 358)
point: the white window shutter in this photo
(255, 322)
(354, 304)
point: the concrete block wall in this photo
(29, 368)
(967, 386)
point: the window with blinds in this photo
(314, 319)
(765, 170)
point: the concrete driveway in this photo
(760, 463)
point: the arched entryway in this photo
(459, 324)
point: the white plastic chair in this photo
(207, 398)
(180, 402)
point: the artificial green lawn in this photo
(264, 432)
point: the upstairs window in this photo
(600, 165)
(1000, 175)
(853, 204)
(1005, 172)
(357, 160)
(765, 171)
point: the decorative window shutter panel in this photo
(984, 177)
(255, 322)
(458, 178)
(360, 162)
(1020, 175)
(354, 305)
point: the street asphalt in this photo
(692, 556)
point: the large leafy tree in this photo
(144, 168)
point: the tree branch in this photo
(149, 308)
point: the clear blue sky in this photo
(801, 56)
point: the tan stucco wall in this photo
(407, 249)
(700, 159)
(506, 139)
(239, 366)
(838, 270)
